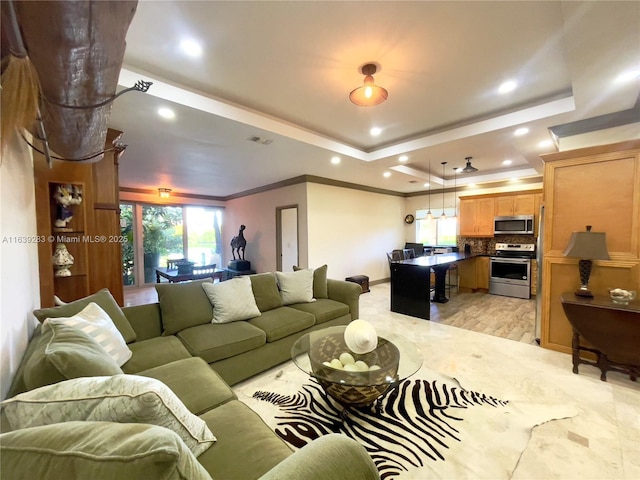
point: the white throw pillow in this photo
(232, 300)
(96, 323)
(296, 287)
(117, 398)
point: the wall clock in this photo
(409, 219)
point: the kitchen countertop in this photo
(439, 259)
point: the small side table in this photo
(361, 280)
(613, 331)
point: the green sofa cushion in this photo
(63, 353)
(319, 281)
(96, 451)
(183, 305)
(246, 446)
(155, 352)
(323, 309)
(194, 382)
(282, 322)
(104, 299)
(213, 342)
(265, 291)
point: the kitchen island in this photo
(411, 282)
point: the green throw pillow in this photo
(265, 291)
(183, 305)
(97, 450)
(105, 300)
(319, 281)
(63, 353)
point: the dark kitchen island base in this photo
(411, 282)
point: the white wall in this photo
(258, 213)
(351, 230)
(19, 279)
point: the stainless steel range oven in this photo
(510, 270)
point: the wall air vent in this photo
(260, 140)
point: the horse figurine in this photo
(238, 243)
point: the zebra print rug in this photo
(423, 429)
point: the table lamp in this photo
(587, 246)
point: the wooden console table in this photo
(613, 330)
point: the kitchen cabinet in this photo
(515, 205)
(482, 272)
(474, 273)
(476, 217)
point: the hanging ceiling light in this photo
(469, 168)
(455, 199)
(443, 216)
(429, 214)
(369, 94)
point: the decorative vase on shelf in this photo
(62, 261)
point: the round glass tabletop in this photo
(351, 378)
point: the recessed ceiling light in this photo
(628, 76)
(167, 113)
(425, 185)
(514, 179)
(545, 143)
(191, 48)
(507, 162)
(471, 185)
(375, 131)
(335, 160)
(386, 174)
(403, 158)
(521, 131)
(508, 86)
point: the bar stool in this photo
(452, 271)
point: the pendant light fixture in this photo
(429, 214)
(369, 94)
(455, 199)
(469, 168)
(443, 216)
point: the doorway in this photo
(287, 237)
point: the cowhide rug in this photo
(426, 428)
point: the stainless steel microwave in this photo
(513, 225)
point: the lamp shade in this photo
(369, 94)
(588, 245)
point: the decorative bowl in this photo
(354, 388)
(622, 297)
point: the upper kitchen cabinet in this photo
(523, 204)
(476, 216)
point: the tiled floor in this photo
(601, 442)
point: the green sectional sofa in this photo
(174, 344)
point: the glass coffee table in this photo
(394, 359)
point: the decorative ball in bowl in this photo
(354, 385)
(621, 296)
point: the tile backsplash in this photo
(487, 246)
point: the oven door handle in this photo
(510, 260)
